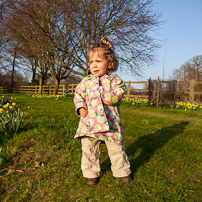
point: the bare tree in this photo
(191, 70)
(72, 26)
(197, 63)
(128, 23)
(34, 24)
(62, 31)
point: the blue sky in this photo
(183, 29)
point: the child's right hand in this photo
(83, 112)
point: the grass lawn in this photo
(42, 162)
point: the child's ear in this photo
(110, 68)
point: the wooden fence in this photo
(162, 92)
(46, 89)
(172, 91)
(136, 92)
(156, 90)
(3, 90)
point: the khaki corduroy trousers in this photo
(90, 164)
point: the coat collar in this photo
(101, 78)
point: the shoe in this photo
(92, 181)
(126, 178)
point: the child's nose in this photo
(94, 64)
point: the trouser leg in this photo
(120, 164)
(90, 164)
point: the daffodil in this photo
(6, 105)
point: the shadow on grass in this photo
(148, 145)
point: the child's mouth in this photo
(96, 71)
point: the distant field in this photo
(42, 162)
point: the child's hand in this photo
(83, 112)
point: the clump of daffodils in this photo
(136, 101)
(11, 116)
(179, 105)
(187, 106)
(56, 97)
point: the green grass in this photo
(42, 162)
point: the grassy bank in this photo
(42, 162)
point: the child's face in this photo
(98, 63)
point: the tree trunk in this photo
(34, 76)
(13, 71)
(56, 82)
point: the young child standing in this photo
(97, 100)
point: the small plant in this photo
(11, 117)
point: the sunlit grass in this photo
(42, 162)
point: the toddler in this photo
(97, 100)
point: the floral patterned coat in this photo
(102, 96)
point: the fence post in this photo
(191, 92)
(174, 93)
(72, 88)
(154, 90)
(149, 93)
(157, 100)
(49, 89)
(161, 92)
(128, 93)
(63, 90)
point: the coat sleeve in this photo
(79, 96)
(112, 90)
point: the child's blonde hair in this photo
(107, 50)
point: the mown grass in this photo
(42, 162)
